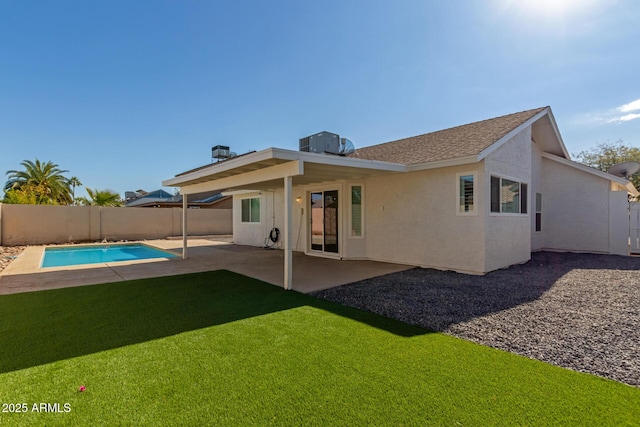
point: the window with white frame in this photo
(508, 196)
(466, 193)
(250, 209)
(538, 211)
(356, 211)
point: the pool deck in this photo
(310, 273)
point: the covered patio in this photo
(276, 169)
(310, 273)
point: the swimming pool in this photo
(78, 255)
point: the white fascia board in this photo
(444, 163)
(231, 163)
(334, 160)
(499, 143)
(282, 170)
(282, 154)
(238, 192)
(627, 184)
(557, 132)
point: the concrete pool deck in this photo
(310, 274)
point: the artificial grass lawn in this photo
(218, 348)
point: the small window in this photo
(466, 194)
(356, 211)
(251, 210)
(538, 212)
(495, 194)
(508, 196)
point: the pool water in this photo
(77, 255)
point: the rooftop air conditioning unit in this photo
(220, 152)
(323, 142)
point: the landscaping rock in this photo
(8, 254)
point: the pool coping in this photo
(43, 249)
(30, 261)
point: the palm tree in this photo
(101, 198)
(46, 176)
(74, 182)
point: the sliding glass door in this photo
(324, 221)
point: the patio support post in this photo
(185, 209)
(288, 225)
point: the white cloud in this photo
(632, 106)
(628, 117)
(622, 114)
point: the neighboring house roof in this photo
(164, 199)
(147, 198)
(452, 143)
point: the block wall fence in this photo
(42, 224)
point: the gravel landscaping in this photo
(8, 254)
(578, 311)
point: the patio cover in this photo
(271, 169)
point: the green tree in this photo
(74, 182)
(607, 154)
(101, 198)
(28, 195)
(44, 179)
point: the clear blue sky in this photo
(124, 94)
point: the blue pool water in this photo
(58, 257)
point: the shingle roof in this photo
(459, 141)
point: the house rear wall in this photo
(411, 219)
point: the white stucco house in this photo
(472, 198)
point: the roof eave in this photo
(444, 163)
(500, 142)
(627, 184)
(557, 132)
(283, 155)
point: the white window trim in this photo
(249, 198)
(362, 214)
(507, 214)
(535, 213)
(474, 211)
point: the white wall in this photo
(271, 205)
(508, 236)
(252, 234)
(411, 219)
(575, 209)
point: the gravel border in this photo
(578, 311)
(8, 254)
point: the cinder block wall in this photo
(40, 224)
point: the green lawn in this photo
(218, 348)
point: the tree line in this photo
(44, 183)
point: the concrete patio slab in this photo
(310, 274)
